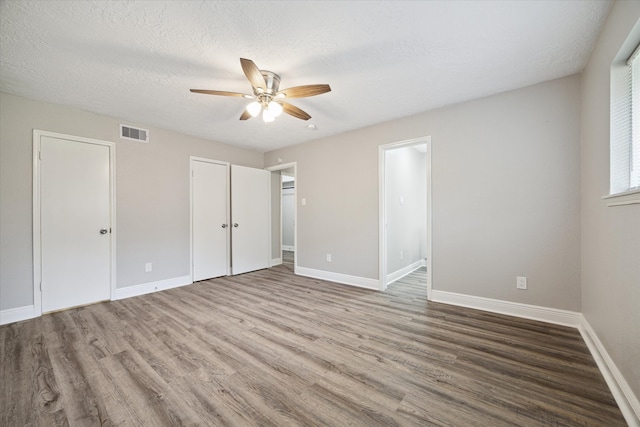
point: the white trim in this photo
(399, 274)
(626, 400)
(228, 202)
(275, 261)
(526, 311)
(37, 250)
(382, 235)
(147, 288)
(622, 194)
(345, 279)
(629, 202)
(17, 314)
(288, 248)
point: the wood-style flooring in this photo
(272, 349)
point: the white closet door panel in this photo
(74, 208)
(210, 223)
(250, 192)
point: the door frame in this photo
(193, 159)
(37, 237)
(382, 234)
(281, 167)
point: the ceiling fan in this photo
(268, 98)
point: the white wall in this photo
(505, 194)
(152, 193)
(610, 235)
(406, 179)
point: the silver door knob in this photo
(235, 224)
(103, 231)
(224, 225)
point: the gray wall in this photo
(611, 235)
(406, 178)
(276, 188)
(506, 195)
(288, 216)
(152, 193)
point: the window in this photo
(634, 149)
(625, 124)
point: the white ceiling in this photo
(137, 60)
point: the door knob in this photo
(224, 225)
(235, 224)
(103, 231)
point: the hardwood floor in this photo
(271, 349)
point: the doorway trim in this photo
(37, 237)
(295, 209)
(382, 239)
(193, 159)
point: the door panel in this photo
(250, 238)
(209, 210)
(74, 208)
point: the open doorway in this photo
(283, 215)
(287, 209)
(405, 211)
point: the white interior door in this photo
(250, 235)
(210, 224)
(75, 222)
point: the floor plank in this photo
(269, 348)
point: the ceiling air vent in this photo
(134, 134)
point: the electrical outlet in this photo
(328, 257)
(148, 267)
(401, 255)
(521, 282)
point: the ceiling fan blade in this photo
(294, 111)
(253, 74)
(305, 91)
(245, 115)
(220, 92)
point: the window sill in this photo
(625, 198)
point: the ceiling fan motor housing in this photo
(272, 83)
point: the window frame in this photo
(624, 154)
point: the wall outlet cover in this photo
(521, 282)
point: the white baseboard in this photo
(17, 314)
(288, 248)
(399, 274)
(361, 282)
(533, 312)
(625, 398)
(147, 288)
(275, 261)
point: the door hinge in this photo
(40, 286)
(40, 155)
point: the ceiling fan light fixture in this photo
(267, 116)
(254, 108)
(275, 108)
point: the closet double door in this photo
(230, 219)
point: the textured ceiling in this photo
(137, 60)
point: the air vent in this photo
(134, 134)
